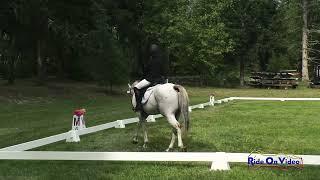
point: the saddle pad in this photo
(148, 93)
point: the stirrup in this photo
(138, 106)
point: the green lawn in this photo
(28, 113)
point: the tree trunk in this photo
(241, 72)
(305, 56)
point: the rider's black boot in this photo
(138, 99)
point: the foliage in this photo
(193, 32)
(285, 43)
(84, 40)
(105, 52)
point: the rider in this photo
(155, 73)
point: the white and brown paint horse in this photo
(172, 102)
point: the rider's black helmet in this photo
(154, 50)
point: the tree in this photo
(82, 39)
(10, 37)
(305, 56)
(104, 60)
(249, 24)
(193, 32)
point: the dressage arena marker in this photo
(220, 160)
(151, 118)
(73, 137)
(120, 124)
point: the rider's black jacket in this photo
(156, 69)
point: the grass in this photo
(28, 113)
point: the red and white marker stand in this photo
(78, 123)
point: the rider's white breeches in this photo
(142, 84)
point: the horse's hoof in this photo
(184, 149)
(145, 146)
(169, 150)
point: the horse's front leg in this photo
(144, 128)
(135, 137)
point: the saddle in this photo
(147, 92)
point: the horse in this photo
(172, 102)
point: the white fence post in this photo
(73, 136)
(151, 118)
(225, 100)
(120, 124)
(190, 109)
(220, 162)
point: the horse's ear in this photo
(129, 85)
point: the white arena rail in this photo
(37, 143)
(122, 156)
(274, 99)
(220, 160)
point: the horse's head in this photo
(131, 92)
(131, 86)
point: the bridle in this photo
(131, 92)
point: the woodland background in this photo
(106, 41)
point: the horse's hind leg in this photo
(175, 124)
(173, 139)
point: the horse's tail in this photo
(183, 101)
